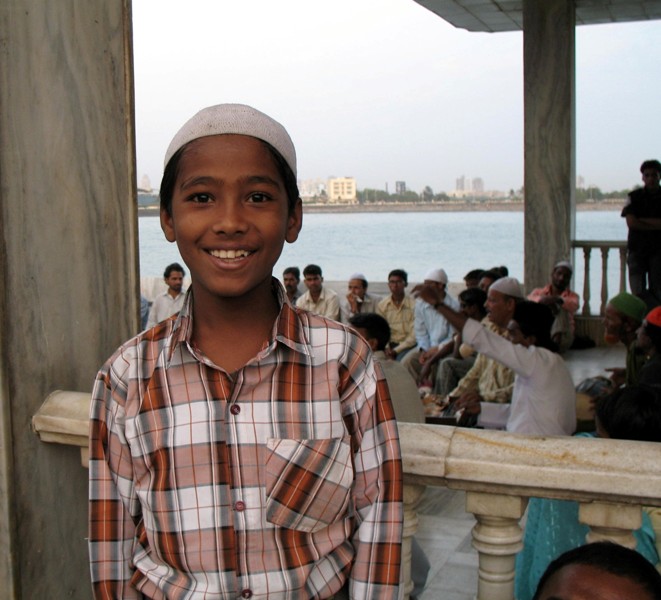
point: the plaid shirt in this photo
(282, 480)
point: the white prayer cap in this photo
(438, 275)
(237, 119)
(358, 276)
(564, 263)
(509, 286)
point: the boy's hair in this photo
(173, 267)
(171, 173)
(474, 297)
(632, 413)
(312, 270)
(611, 558)
(535, 319)
(651, 164)
(295, 271)
(375, 325)
(401, 273)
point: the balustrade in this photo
(605, 247)
(611, 479)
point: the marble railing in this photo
(604, 248)
(498, 471)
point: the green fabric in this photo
(629, 305)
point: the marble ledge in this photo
(564, 467)
(580, 469)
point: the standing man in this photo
(357, 301)
(171, 300)
(291, 277)
(643, 215)
(318, 299)
(399, 310)
(562, 302)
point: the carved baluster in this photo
(586, 281)
(623, 269)
(604, 279)
(611, 522)
(412, 495)
(497, 537)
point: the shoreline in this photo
(437, 207)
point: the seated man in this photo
(562, 302)
(357, 300)
(399, 310)
(431, 328)
(291, 277)
(456, 358)
(318, 299)
(472, 278)
(488, 380)
(622, 317)
(171, 300)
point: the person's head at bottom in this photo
(600, 571)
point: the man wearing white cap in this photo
(357, 301)
(431, 328)
(562, 302)
(489, 380)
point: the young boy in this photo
(244, 448)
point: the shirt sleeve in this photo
(419, 327)
(520, 359)
(333, 308)
(570, 302)
(113, 507)
(377, 490)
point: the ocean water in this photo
(375, 243)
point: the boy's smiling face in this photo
(230, 216)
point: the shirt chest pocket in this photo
(308, 482)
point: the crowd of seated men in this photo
(492, 358)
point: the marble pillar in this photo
(549, 138)
(69, 264)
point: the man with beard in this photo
(562, 302)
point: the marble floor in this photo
(444, 529)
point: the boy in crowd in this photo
(244, 449)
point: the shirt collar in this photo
(288, 328)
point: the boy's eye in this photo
(201, 198)
(258, 197)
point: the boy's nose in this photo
(229, 218)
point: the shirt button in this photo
(246, 594)
(235, 409)
(241, 506)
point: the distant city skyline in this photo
(386, 91)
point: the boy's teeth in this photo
(229, 253)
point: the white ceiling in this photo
(507, 15)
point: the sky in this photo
(385, 91)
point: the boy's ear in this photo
(294, 222)
(167, 225)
